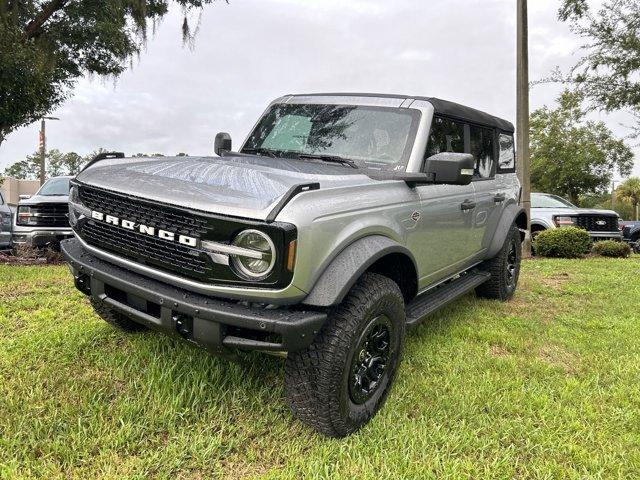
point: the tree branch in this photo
(49, 9)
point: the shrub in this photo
(612, 248)
(565, 242)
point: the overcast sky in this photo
(175, 98)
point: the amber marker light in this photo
(291, 255)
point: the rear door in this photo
(489, 195)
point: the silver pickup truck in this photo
(42, 221)
(551, 211)
(341, 220)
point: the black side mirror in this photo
(222, 143)
(451, 168)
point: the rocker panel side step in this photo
(438, 297)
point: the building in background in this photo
(12, 188)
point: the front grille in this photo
(50, 215)
(141, 247)
(161, 217)
(145, 248)
(598, 223)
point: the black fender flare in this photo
(513, 213)
(345, 269)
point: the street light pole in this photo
(43, 147)
(522, 114)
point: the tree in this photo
(629, 191)
(571, 156)
(46, 45)
(608, 75)
(57, 163)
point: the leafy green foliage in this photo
(45, 45)
(57, 163)
(629, 191)
(612, 248)
(608, 74)
(565, 242)
(603, 201)
(571, 156)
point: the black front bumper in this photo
(214, 324)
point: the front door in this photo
(445, 227)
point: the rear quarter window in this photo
(507, 154)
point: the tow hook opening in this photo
(184, 324)
(83, 283)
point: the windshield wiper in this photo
(329, 158)
(260, 151)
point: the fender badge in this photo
(415, 216)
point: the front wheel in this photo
(504, 269)
(341, 380)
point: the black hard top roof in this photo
(442, 107)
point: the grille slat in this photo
(590, 223)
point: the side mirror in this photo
(24, 197)
(451, 168)
(222, 143)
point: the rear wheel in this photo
(341, 380)
(504, 269)
(115, 318)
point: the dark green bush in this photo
(565, 242)
(612, 248)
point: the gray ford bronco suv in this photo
(342, 220)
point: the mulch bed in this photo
(46, 258)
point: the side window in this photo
(507, 159)
(483, 150)
(446, 136)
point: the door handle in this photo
(468, 205)
(499, 197)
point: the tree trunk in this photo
(636, 212)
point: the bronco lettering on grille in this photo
(145, 229)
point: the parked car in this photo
(5, 224)
(43, 220)
(631, 233)
(342, 220)
(551, 211)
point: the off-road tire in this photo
(502, 286)
(115, 318)
(317, 379)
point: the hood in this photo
(576, 211)
(237, 185)
(39, 199)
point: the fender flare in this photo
(509, 216)
(345, 269)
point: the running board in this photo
(438, 297)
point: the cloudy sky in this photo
(175, 98)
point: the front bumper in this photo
(617, 235)
(210, 323)
(38, 236)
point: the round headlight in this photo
(258, 265)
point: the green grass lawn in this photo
(545, 386)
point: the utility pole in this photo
(522, 114)
(43, 147)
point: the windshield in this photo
(539, 200)
(381, 137)
(55, 187)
